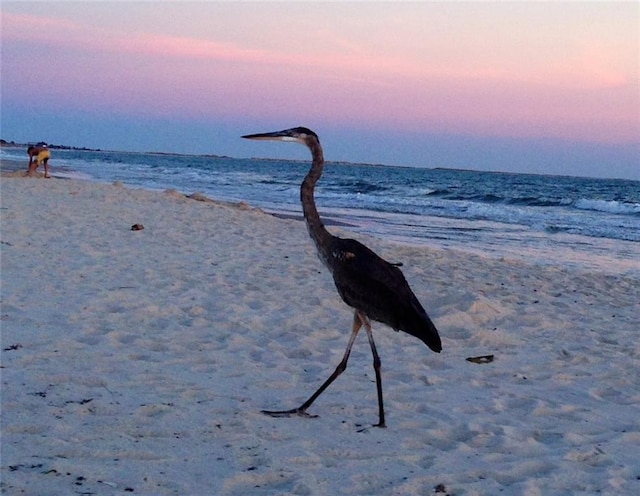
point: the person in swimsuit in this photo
(38, 155)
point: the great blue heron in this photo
(375, 288)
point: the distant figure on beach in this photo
(38, 155)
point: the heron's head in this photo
(297, 134)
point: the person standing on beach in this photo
(38, 155)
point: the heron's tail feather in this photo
(421, 326)
(429, 335)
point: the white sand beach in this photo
(137, 362)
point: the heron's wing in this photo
(368, 282)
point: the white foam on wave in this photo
(612, 207)
(72, 174)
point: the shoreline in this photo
(8, 168)
(140, 360)
(501, 241)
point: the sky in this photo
(536, 87)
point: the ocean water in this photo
(583, 222)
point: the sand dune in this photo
(138, 361)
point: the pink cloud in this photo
(25, 26)
(587, 70)
(581, 96)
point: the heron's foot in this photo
(382, 425)
(295, 412)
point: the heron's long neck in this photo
(321, 237)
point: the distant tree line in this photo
(53, 147)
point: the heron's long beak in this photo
(275, 136)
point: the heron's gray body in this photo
(375, 288)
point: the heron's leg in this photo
(302, 409)
(376, 368)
